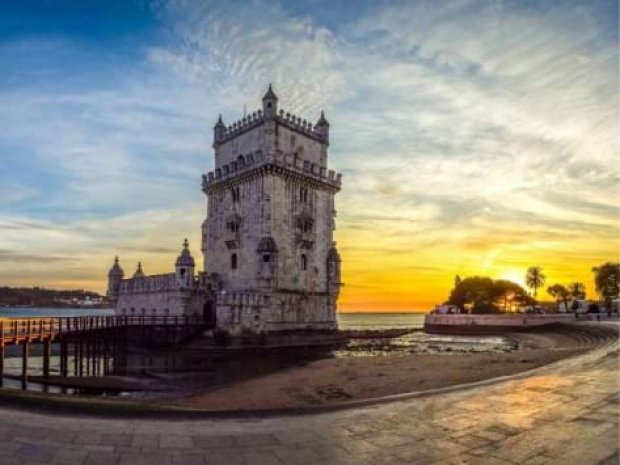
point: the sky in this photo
(474, 137)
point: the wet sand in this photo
(333, 380)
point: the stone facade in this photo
(173, 294)
(270, 262)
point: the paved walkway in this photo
(565, 414)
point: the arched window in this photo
(304, 262)
(233, 261)
(266, 257)
(233, 225)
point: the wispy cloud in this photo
(474, 136)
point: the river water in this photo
(361, 320)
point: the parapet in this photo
(152, 283)
(288, 162)
(256, 118)
(247, 122)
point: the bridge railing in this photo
(17, 329)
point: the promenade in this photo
(565, 413)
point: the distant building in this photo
(270, 262)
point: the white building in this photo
(270, 262)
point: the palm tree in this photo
(576, 290)
(535, 278)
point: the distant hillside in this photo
(40, 297)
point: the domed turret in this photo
(139, 273)
(270, 103)
(115, 276)
(116, 270)
(333, 271)
(185, 259)
(219, 131)
(185, 266)
(322, 127)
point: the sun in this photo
(514, 275)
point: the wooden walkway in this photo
(95, 340)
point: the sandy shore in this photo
(334, 380)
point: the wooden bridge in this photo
(94, 340)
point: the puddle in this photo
(422, 343)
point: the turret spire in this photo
(270, 103)
(139, 273)
(185, 258)
(270, 94)
(322, 127)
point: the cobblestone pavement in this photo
(563, 414)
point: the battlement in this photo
(301, 125)
(152, 283)
(256, 118)
(250, 121)
(288, 161)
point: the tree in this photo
(607, 281)
(535, 278)
(507, 293)
(486, 295)
(476, 290)
(576, 291)
(559, 293)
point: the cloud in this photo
(471, 134)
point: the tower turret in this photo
(270, 104)
(333, 271)
(219, 131)
(184, 267)
(139, 273)
(322, 127)
(115, 276)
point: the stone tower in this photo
(268, 235)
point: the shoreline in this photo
(547, 348)
(332, 383)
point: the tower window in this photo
(266, 258)
(303, 194)
(233, 226)
(233, 261)
(304, 262)
(305, 225)
(236, 194)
